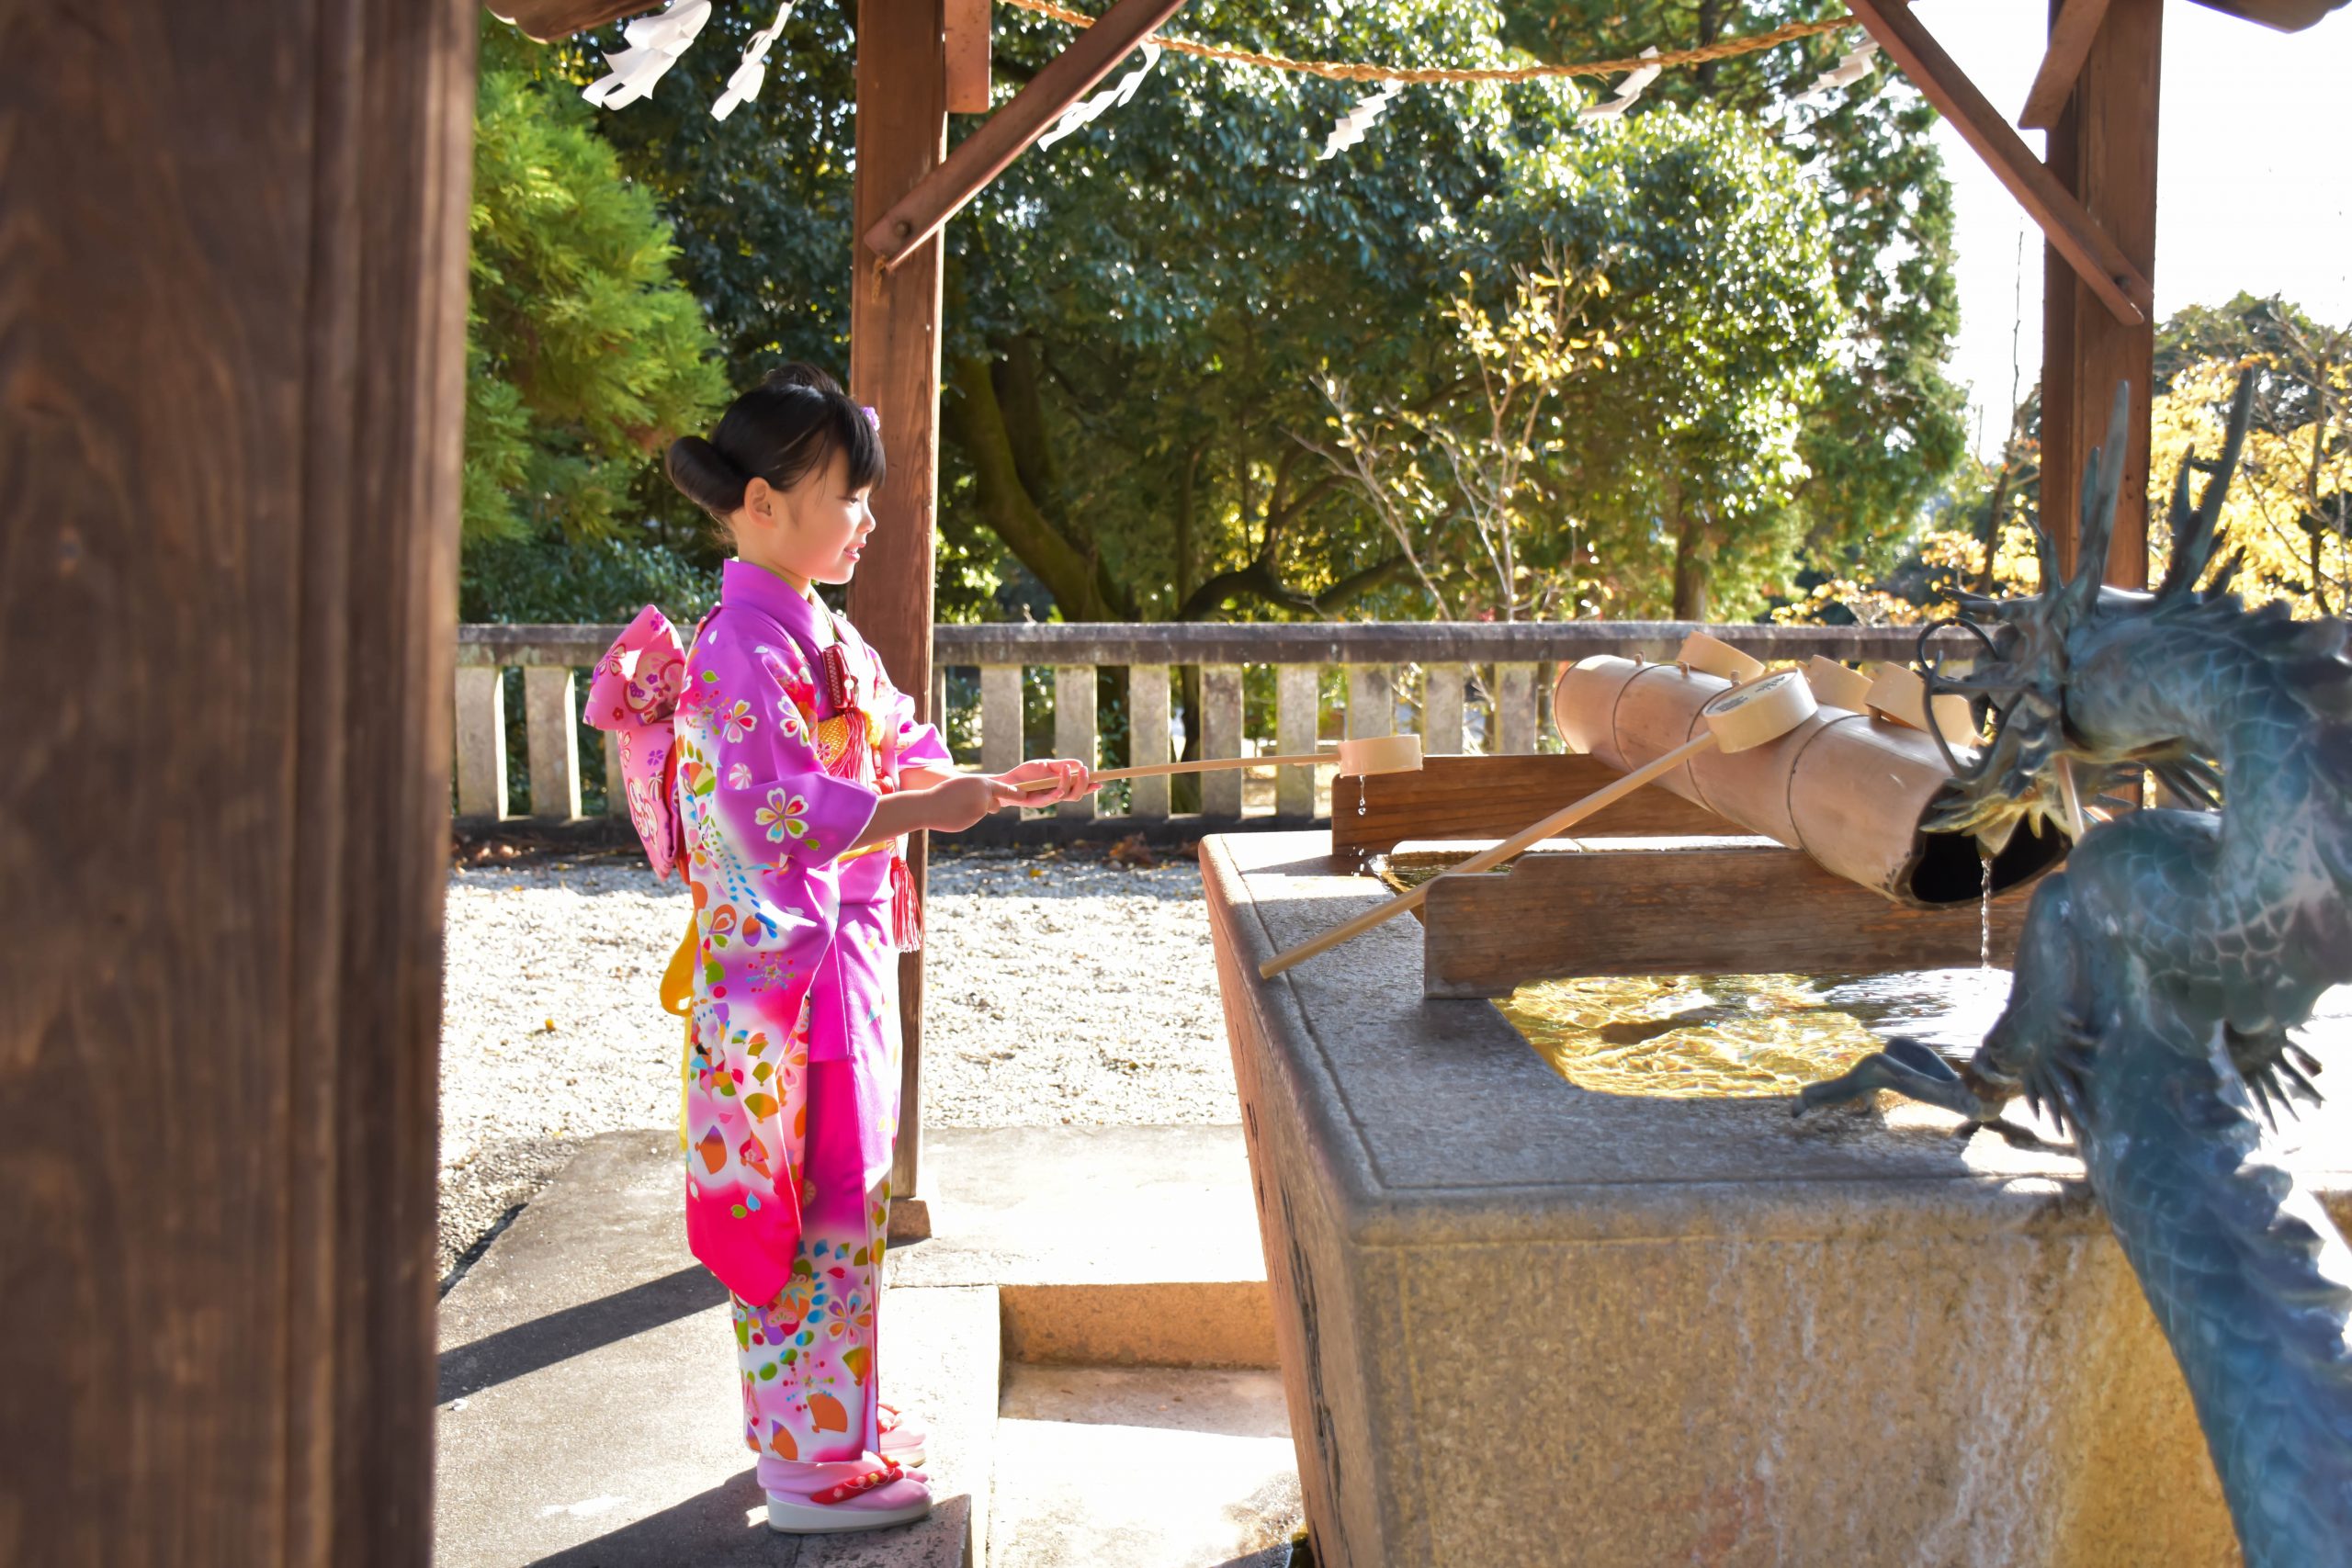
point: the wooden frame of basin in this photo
(1654, 885)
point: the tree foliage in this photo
(1887, 428)
(2288, 516)
(2289, 513)
(1144, 321)
(584, 356)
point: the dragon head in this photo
(2041, 762)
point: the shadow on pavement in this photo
(715, 1530)
(543, 1341)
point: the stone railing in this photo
(1431, 674)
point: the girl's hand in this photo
(954, 805)
(1071, 779)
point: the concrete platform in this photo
(1107, 1246)
(588, 1399)
(1143, 1468)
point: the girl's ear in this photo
(760, 499)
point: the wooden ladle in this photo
(1744, 717)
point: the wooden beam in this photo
(2286, 15)
(1657, 906)
(2071, 32)
(548, 20)
(968, 68)
(2072, 233)
(1491, 798)
(2103, 148)
(894, 369)
(233, 297)
(919, 214)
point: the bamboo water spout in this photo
(1852, 791)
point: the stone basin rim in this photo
(2041, 1195)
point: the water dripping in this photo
(1984, 920)
(1361, 806)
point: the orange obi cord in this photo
(678, 998)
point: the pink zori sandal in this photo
(904, 1438)
(868, 1494)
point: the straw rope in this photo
(1349, 71)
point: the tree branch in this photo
(975, 422)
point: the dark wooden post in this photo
(2103, 149)
(893, 369)
(233, 292)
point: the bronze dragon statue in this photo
(2163, 968)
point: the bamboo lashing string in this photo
(1746, 717)
(1357, 759)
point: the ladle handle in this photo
(1212, 766)
(1487, 860)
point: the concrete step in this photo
(1107, 1246)
(1143, 1468)
(589, 1406)
(588, 1399)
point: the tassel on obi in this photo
(849, 729)
(906, 913)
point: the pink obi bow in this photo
(634, 693)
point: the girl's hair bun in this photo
(788, 426)
(704, 477)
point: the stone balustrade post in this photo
(1221, 737)
(1076, 731)
(1297, 704)
(1147, 740)
(481, 742)
(552, 741)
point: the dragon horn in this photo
(2002, 609)
(2045, 551)
(2227, 574)
(2209, 509)
(2196, 532)
(2102, 487)
(2188, 563)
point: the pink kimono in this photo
(756, 761)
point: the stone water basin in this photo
(1535, 1315)
(1722, 1036)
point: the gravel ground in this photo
(1062, 989)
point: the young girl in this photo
(778, 763)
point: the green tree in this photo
(584, 356)
(1685, 450)
(1889, 426)
(1142, 318)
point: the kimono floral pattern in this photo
(791, 1078)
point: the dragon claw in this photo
(1908, 1067)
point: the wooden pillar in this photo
(894, 369)
(231, 383)
(2103, 149)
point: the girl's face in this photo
(813, 532)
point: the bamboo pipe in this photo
(1357, 759)
(1737, 718)
(1849, 788)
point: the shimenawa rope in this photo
(1350, 71)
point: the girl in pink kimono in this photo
(777, 766)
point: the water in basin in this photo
(1721, 1036)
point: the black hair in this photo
(782, 430)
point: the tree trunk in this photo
(1076, 577)
(1693, 571)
